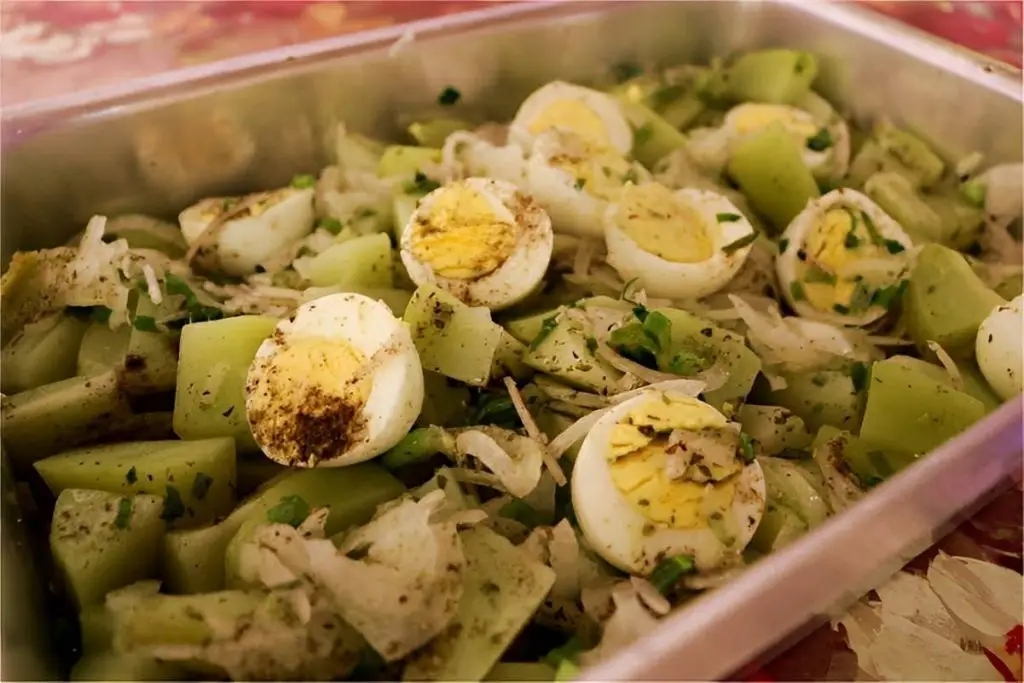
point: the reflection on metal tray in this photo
(156, 144)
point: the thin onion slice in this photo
(947, 362)
(551, 462)
(632, 367)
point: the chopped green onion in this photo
(547, 326)
(303, 181)
(580, 183)
(876, 237)
(124, 513)
(145, 323)
(522, 512)
(658, 329)
(742, 242)
(746, 448)
(668, 572)
(292, 510)
(173, 505)
(448, 96)
(841, 309)
(640, 312)
(728, 218)
(859, 373)
(851, 241)
(887, 296)
(820, 141)
(421, 184)
(496, 409)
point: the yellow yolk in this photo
(260, 203)
(751, 118)
(827, 251)
(332, 366)
(640, 477)
(462, 237)
(600, 172)
(575, 116)
(660, 416)
(663, 225)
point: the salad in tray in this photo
(489, 402)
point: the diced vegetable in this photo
(898, 197)
(196, 477)
(788, 489)
(402, 160)
(146, 232)
(909, 412)
(502, 589)
(961, 223)
(824, 397)
(974, 383)
(769, 169)
(103, 349)
(403, 206)
(453, 339)
(778, 76)
(213, 361)
(653, 136)
(911, 151)
(352, 494)
(102, 541)
(560, 349)
(946, 301)
(361, 262)
(45, 420)
(43, 352)
(151, 362)
(508, 358)
(775, 429)
(433, 132)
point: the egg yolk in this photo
(662, 224)
(462, 237)
(751, 118)
(599, 172)
(836, 242)
(259, 203)
(309, 397)
(677, 503)
(572, 115)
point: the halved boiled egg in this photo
(478, 156)
(574, 182)
(237, 234)
(664, 474)
(843, 260)
(480, 239)
(825, 148)
(594, 116)
(999, 348)
(338, 383)
(678, 244)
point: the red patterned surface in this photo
(49, 48)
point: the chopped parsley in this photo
(820, 141)
(292, 510)
(686, 363)
(796, 291)
(841, 309)
(887, 296)
(859, 373)
(640, 312)
(304, 181)
(894, 247)
(547, 326)
(742, 242)
(496, 409)
(746, 451)
(331, 225)
(449, 96)
(727, 217)
(421, 184)
(124, 513)
(145, 323)
(197, 312)
(643, 342)
(591, 344)
(200, 485)
(642, 134)
(174, 507)
(132, 476)
(668, 572)
(783, 245)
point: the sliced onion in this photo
(573, 433)
(947, 362)
(517, 476)
(531, 428)
(649, 595)
(632, 367)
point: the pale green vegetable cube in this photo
(778, 76)
(653, 136)
(910, 412)
(824, 397)
(213, 361)
(961, 223)
(102, 541)
(434, 132)
(445, 402)
(771, 172)
(562, 352)
(103, 349)
(43, 352)
(871, 159)
(526, 329)
(201, 474)
(402, 160)
(911, 151)
(151, 362)
(352, 494)
(898, 198)
(508, 359)
(946, 301)
(95, 627)
(361, 262)
(42, 421)
(774, 428)
(974, 383)
(502, 588)
(453, 339)
(403, 206)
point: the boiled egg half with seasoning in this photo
(237, 234)
(665, 474)
(338, 383)
(596, 117)
(480, 239)
(1000, 348)
(678, 244)
(843, 260)
(574, 181)
(825, 149)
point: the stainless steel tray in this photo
(155, 144)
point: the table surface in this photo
(48, 48)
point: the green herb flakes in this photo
(668, 572)
(303, 181)
(124, 513)
(742, 242)
(746, 451)
(292, 510)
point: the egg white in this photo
(711, 147)
(468, 154)
(797, 234)
(521, 272)
(396, 394)
(554, 178)
(617, 133)
(999, 348)
(241, 244)
(663, 278)
(622, 535)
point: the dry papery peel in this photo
(959, 622)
